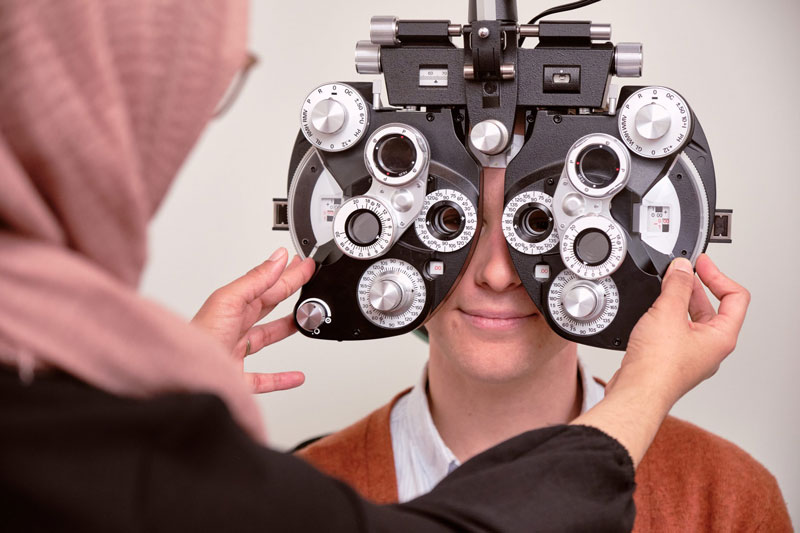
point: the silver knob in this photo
(628, 60)
(328, 116)
(403, 200)
(368, 58)
(583, 300)
(653, 121)
(383, 30)
(385, 295)
(600, 32)
(310, 315)
(489, 136)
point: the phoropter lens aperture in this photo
(597, 166)
(363, 227)
(592, 247)
(395, 155)
(446, 221)
(533, 222)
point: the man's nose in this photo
(496, 269)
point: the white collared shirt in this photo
(421, 458)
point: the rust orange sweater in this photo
(690, 480)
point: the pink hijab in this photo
(100, 103)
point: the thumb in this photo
(676, 288)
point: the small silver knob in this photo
(368, 58)
(403, 200)
(383, 30)
(583, 300)
(310, 315)
(628, 60)
(385, 295)
(328, 116)
(489, 136)
(653, 121)
(600, 32)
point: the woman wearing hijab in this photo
(117, 415)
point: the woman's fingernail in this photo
(277, 253)
(683, 265)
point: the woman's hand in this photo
(668, 355)
(230, 313)
(673, 354)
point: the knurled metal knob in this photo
(489, 136)
(368, 57)
(310, 315)
(653, 121)
(383, 30)
(385, 295)
(628, 60)
(328, 116)
(583, 300)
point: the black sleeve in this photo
(76, 459)
(564, 478)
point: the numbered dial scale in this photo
(363, 227)
(593, 246)
(655, 122)
(447, 221)
(582, 307)
(334, 117)
(528, 223)
(391, 293)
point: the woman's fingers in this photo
(700, 307)
(259, 279)
(265, 334)
(261, 383)
(676, 289)
(295, 276)
(733, 298)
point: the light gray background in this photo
(736, 63)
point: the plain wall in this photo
(735, 62)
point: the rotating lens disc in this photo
(582, 307)
(363, 228)
(447, 221)
(391, 293)
(528, 223)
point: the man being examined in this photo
(496, 369)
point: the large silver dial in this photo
(593, 246)
(391, 293)
(580, 306)
(655, 122)
(447, 221)
(363, 228)
(334, 117)
(528, 223)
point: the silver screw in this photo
(483, 33)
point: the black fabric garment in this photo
(73, 458)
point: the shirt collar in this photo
(436, 455)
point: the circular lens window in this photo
(395, 155)
(533, 222)
(592, 247)
(363, 227)
(597, 166)
(445, 220)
